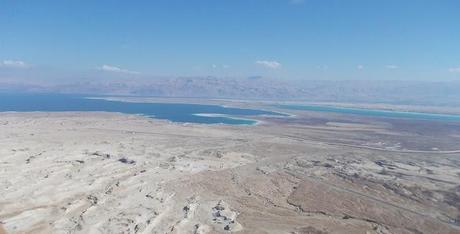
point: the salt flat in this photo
(114, 173)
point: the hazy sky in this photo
(285, 39)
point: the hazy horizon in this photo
(230, 116)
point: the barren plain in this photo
(316, 173)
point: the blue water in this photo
(374, 112)
(183, 113)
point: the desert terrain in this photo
(315, 173)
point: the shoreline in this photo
(272, 106)
(213, 115)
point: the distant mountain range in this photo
(445, 93)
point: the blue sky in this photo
(285, 39)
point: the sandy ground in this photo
(114, 173)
